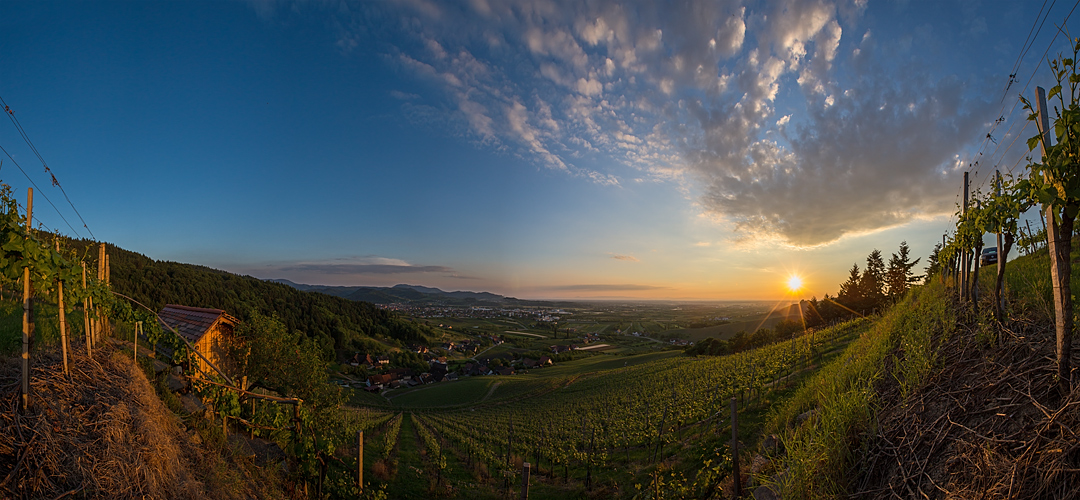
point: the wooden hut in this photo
(210, 331)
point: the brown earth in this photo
(102, 432)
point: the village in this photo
(472, 342)
(452, 360)
(476, 312)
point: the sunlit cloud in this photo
(628, 258)
(788, 121)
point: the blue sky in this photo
(699, 150)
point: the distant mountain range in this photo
(410, 294)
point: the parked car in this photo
(989, 256)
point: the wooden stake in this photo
(98, 326)
(1059, 241)
(735, 447)
(86, 314)
(965, 256)
(105, 318)
(1030, 238)
(360, 461)
(999, 298)
(525, 467)
(63, 322)
(138, 328)
(28, 319)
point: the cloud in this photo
(628, 258)
(786, 119)
(404, 96)
(605, 288)
(365, 269)
(365, 265)
(879, 156)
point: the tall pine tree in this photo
(850, 294)
(872, 282)
(899, 277)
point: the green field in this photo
(492, 389)
(468, 390)
(642, 414)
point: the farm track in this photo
(409, 477)
(537, 335)
(490, 391)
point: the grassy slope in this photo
(842, 396)
(901, 348)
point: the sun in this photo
(794, 283)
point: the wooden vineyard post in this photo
(1059, 243)
(63, 321)
(965, 254)
(86, 314)
(28, 318)
(296, 420)
(138, 328)
(940, 262)
(1030, 238)
(101, 278)
(525, 467)
(107, 325)
(999, 298)
(360, 461)
(735, 447)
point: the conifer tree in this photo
(872, 281)
(899, 277)
(849, 290)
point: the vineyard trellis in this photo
(1053, 183)
(596, 421)
(56, 270)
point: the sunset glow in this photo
(601, 150)
(794, 283)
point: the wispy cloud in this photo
(404, 96)
(370, 265)
(629, 258)
(365, 269)
(605, 288)
(789, 120)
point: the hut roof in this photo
(193, 322)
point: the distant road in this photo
(529, 334)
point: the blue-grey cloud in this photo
(366, 269)
(789, 120)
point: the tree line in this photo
(865, 292)
(334, 323)
(875, 287)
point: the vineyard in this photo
(607, 430)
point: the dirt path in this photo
(537, 335)
(489, 392)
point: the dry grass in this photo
(988, 423)
(103, 432)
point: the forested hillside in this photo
(338, 324)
